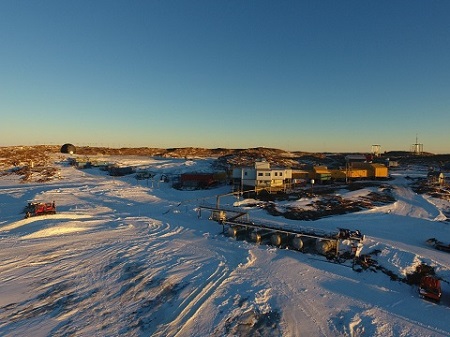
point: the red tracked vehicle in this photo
(430, 288)
(39, 208)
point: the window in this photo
(267, 174)
(260, 174)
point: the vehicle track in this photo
(316, 326)
(74, 266)
(191, 306)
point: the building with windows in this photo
(261, 176)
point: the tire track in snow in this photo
(298, 295)
(75, 274)
(195, 273)
(190, 307)
(147, 282)
(307, 308)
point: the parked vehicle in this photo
(439, 245)
(442, 246)
(430, 288)
(39, 208)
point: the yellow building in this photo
(355, 173)
(321, 174)
(338, 174)
(360, 171)
(374, 170)
(380, 171)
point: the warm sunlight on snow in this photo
(132, 257)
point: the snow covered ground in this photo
(133, 258)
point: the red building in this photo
(198, 180)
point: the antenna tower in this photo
(376, 149)
(417, 148)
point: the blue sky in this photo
(335, 76)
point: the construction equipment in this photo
(39, 208)
(430, 288)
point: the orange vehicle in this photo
(39, 208)
(430, 288)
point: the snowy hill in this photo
(129, 258)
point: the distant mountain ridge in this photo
(13, 156)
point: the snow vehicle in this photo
(430, 288)
(39, 208)
(345, 233)
(439, 245)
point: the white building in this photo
(262, 176)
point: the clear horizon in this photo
(295, 75)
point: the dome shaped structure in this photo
(68, 148)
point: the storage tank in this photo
(235, 231)
(259, 236)
(297, 242)
(326, 247)
(278, 239)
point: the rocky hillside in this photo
(39, 155)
